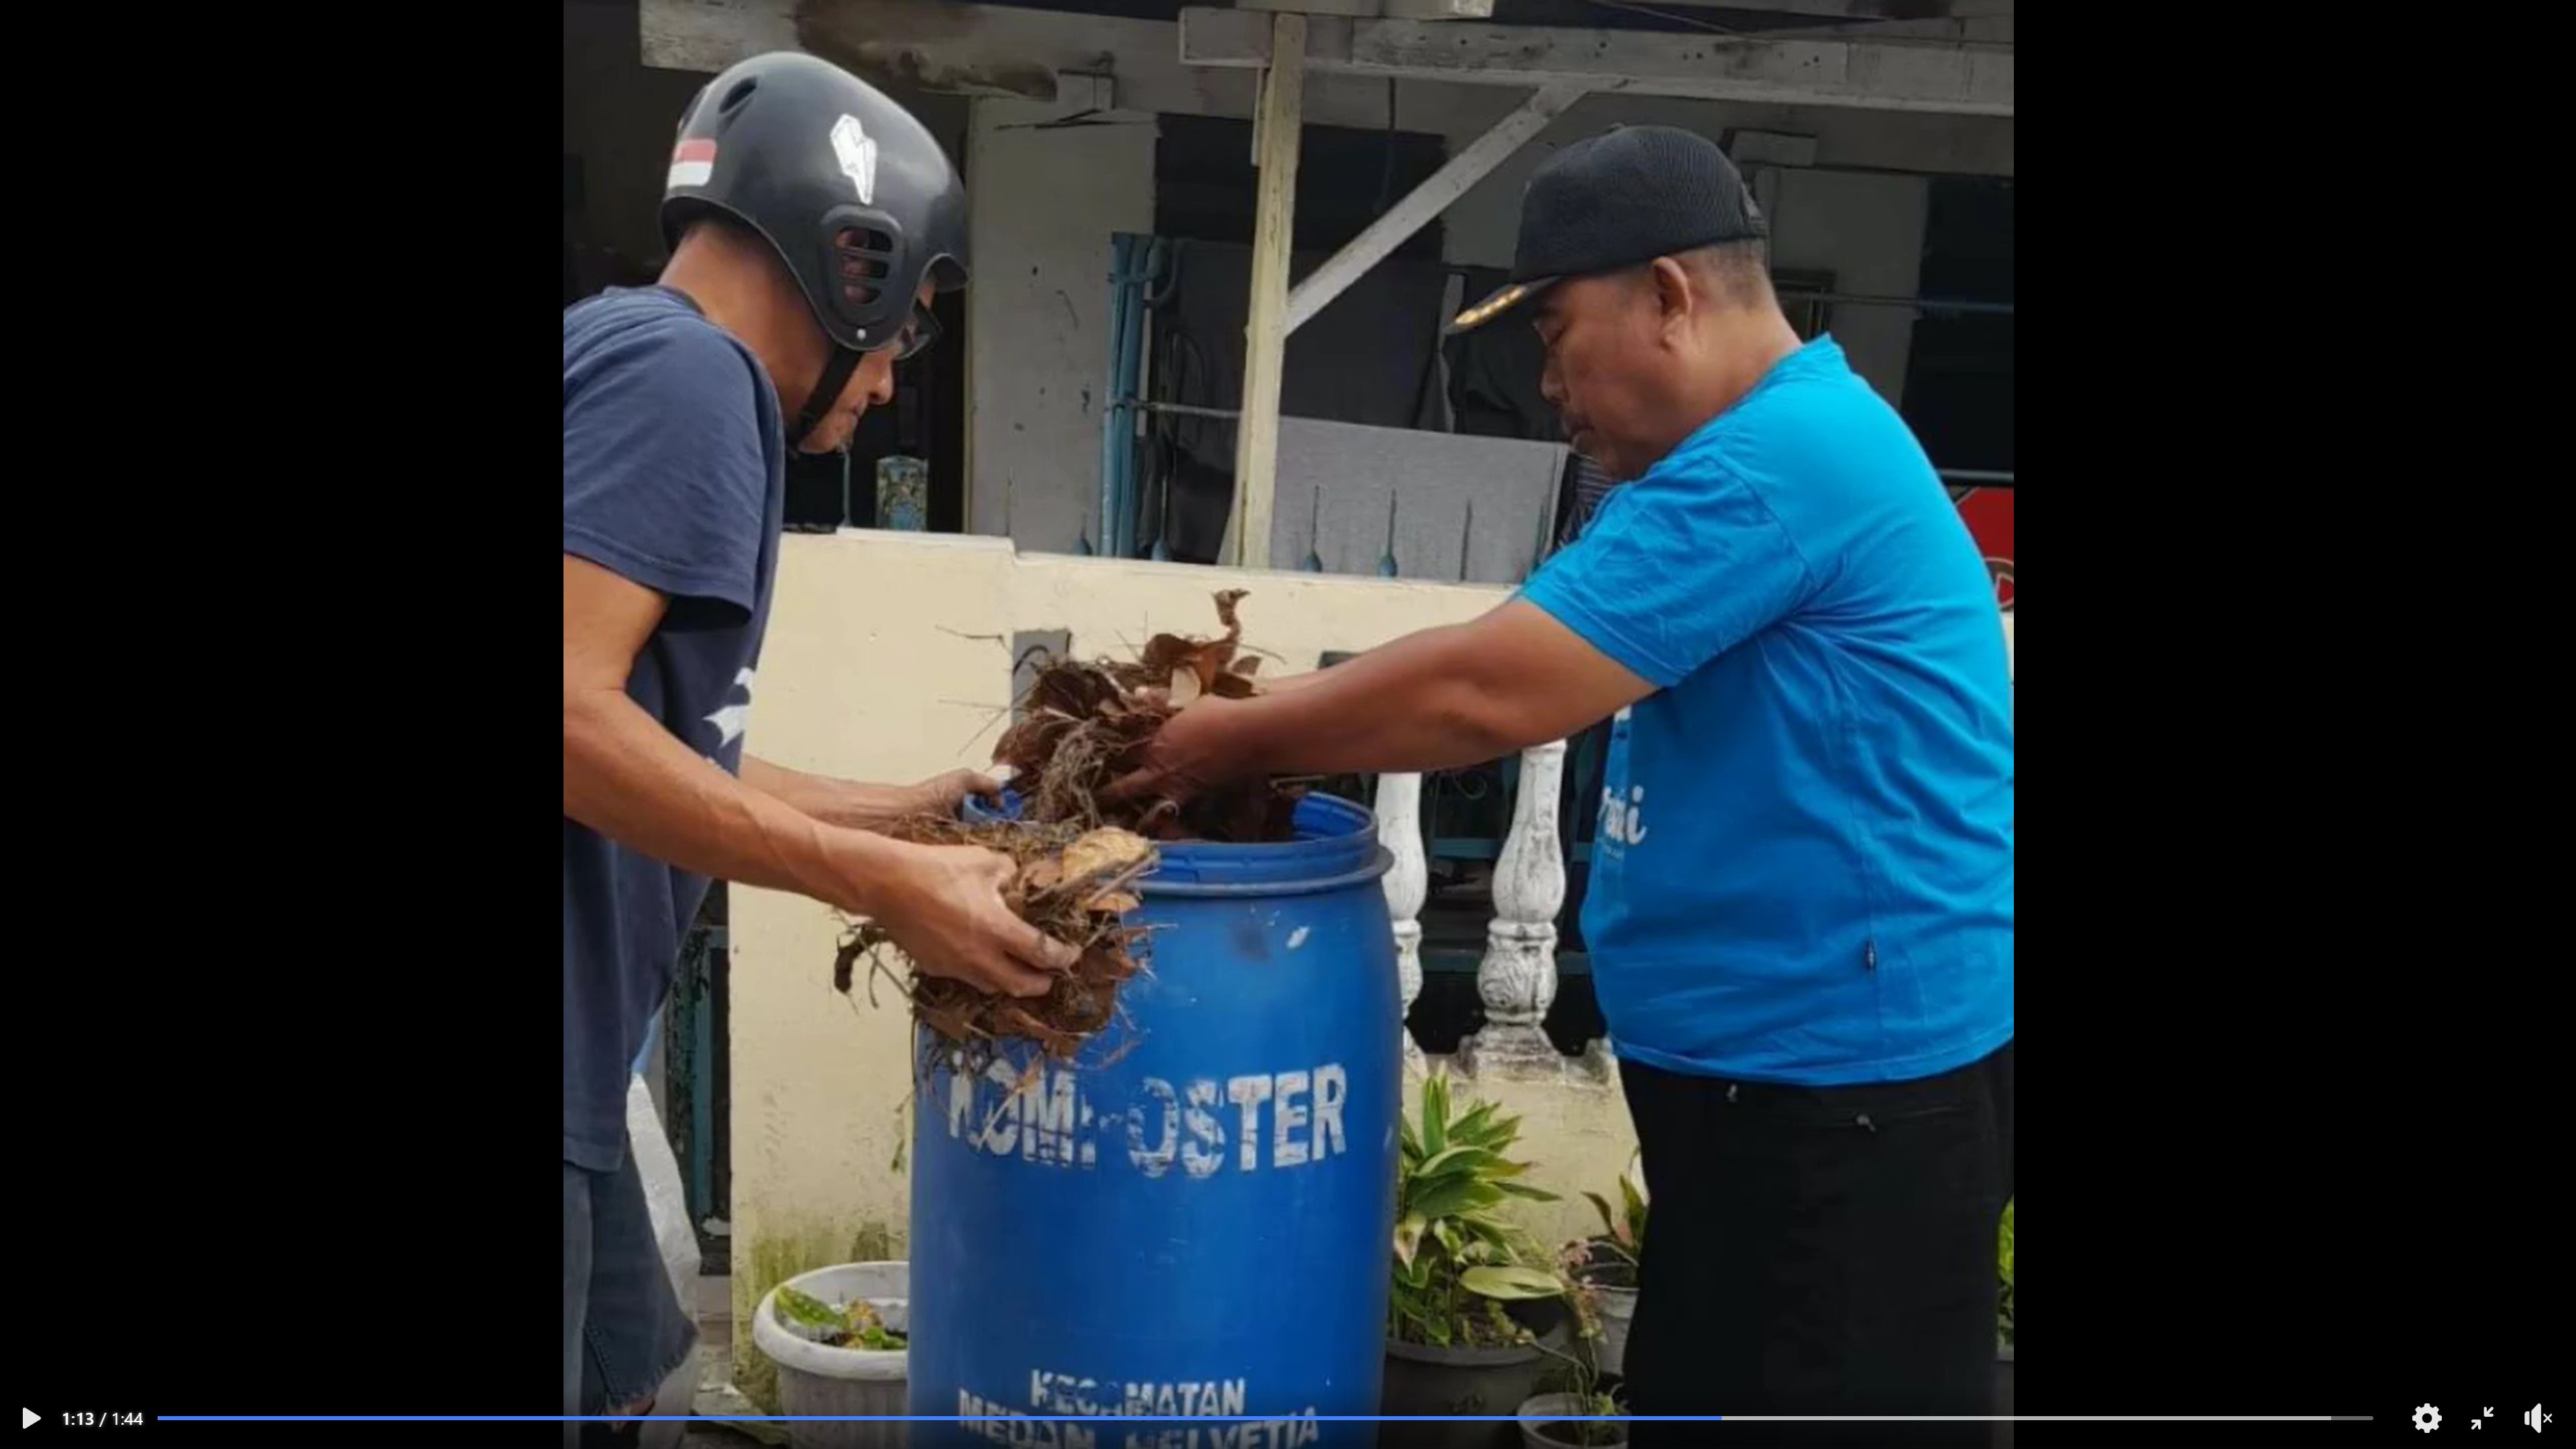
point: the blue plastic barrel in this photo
(1190, 1222)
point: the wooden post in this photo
(1279, 117)
(1472, 164)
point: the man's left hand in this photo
(942, 794)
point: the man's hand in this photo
(943, 906)
(1435, 700)
(1190, 755)
(861, 806)
(942, 794)
(1187, 757)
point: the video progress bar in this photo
(1320, 1418)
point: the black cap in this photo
(1617, 200)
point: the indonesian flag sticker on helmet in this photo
(849, 189)
(692, 162)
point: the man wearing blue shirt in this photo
(1801, 901)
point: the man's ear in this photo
(1674, 300)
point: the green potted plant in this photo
(1605, 1264)
(1472, 1297)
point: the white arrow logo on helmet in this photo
(858, 157)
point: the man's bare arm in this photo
(858, 804)
(1438, 699)
(632, 781)
(629, 779)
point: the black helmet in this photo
(848, 188)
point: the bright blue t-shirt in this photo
(1803, 870)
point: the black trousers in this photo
(1819, 1251)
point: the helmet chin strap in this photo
(827, 391)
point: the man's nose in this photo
(1551, 388)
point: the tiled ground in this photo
(715, 1359)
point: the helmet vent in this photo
(861, 258)
(740, 93)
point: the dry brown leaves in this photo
(1083, 726)
(1077, 886)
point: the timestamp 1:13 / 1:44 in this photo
(87, 1419)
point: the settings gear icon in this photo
(2427, 1418)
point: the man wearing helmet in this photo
(810, 220)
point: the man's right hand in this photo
(943, 906)
(1191, 754)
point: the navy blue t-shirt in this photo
(674, 477)
(1804, 866)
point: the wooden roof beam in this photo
(1954, 80)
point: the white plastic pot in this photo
(1555, 1409)
(816, 1378)
(1618, 1306)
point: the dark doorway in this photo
(1959, 374)
(1346, 178)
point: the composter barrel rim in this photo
(1336, 847)
(1382, 861)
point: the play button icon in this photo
(30, 1421)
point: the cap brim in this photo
(1497, 304)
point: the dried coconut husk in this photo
(1083, 727)
(1077, 886)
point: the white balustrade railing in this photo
(1408, 884)
(1517, 977)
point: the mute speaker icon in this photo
(2532, 1418)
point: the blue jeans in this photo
(624, 1331)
